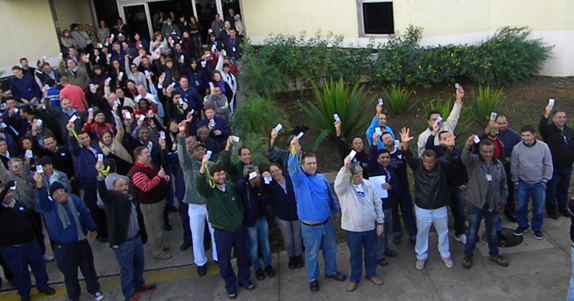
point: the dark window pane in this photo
(378, 18)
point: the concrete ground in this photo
(539, 270)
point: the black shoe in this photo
(391, 253)
(207, 245)
(270, 272)
(552, 215)
(520, 230)
(184, 246)
(499, 260)
(538, 234)
(25, 298)
(338, 276)
(172, 209)
(397, 240)
(249, 285)
(314, 286)
(259, 274)
(510, 217)
(167, 227)
(292, 264)
(232, 295)
(565, 213)
(466, 262)
(383, 262)
(501, 235)
(102, 238)
(49, 291)
(201, 271)
(299, 262)
(413, 241)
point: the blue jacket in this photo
(376, 169)
(25, 87)
(220, 124)
(84, 160)
(284, 204)
(314, 196)
(56, 231)
(371, 130)
(254, 202)
(191, 96)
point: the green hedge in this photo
(506, 57)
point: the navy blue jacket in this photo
(220, 124)
(26, 88)
(284, 205)
(254, 202)
(84, 160)
(376, 169)
(56, 231)
(191, 96)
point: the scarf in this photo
(65, 218)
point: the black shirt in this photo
(16, 224)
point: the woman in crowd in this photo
(103, 32)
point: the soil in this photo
(524, 104)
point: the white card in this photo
(551, 101)
(476, 139)
(456, 86)
(39, 169)
(235, 138)
(300, 135)
(381, 101)
(208, 153)
(493, 116)
(336, 116)
(352, 154)
(73, 118)
(278, 127)
(378, 130)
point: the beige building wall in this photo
(69, 12)
(27, 31)
(443, 22)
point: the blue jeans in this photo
(315, 238)
(404, 200)
(538, 192)
(491, 219)
(557, 190)
(71, 256)
(130, 258)
(425, 219)
(258, 236)
(457, 210)
(18, 258)
(225, 241)
(357, 241)
(571, 289)
(384, 240)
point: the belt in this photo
(319, 224)
(130, 239)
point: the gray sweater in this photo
(531, 164)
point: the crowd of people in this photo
(103, 146)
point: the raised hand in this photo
(469, 142)
(346, 161)
(459, 94)
(405, 137)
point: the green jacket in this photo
(235, 171)
(225, 209)
(190, 169)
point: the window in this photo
(376, 17)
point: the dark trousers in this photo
(404, 200)
(38, 230)
(183, 207)
(457, 210)
(510, 208)
(357, 242)
(71, 256)
(475, 215)
(91, 200)
(130, 258)
(225, 241)
(557, 190)
(18, 258)
(7, 272)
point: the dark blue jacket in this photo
(376, 169)
(284, 205)
(198, 80)
(191, 96)
(84, 160)
(49, 209)
(220, 124)
(17, 127)
(26, 88)
(254, 202)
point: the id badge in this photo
(488, 177)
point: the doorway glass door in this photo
(136, 18)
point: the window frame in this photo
(361, 19)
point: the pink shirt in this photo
(75, 95)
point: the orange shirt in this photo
(75, 95)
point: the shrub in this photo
(257, 115)
(484, 102)
(397, 100)
(444, 107)
(337, 98)
(257, 77)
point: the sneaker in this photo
(132, 299)
(352, 286)
(376, 280)
(338, 276)
(184, 246)
(461, 238)
(48, 258)
(501, 235)
(538, 234)
(99, 296)
(163, 256)
(553, 215)
(420, 264)
(520, 230)
(383, 262)
(314, 286)
(510, 217)
(390, 253)
(259, 274)
(49, 291)
(146, 288)
(499, 260)
(232, 295)
(466, 262)
(448, 262)
(269, 271)
(299, 262)
(248, 285)
(292, 263)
